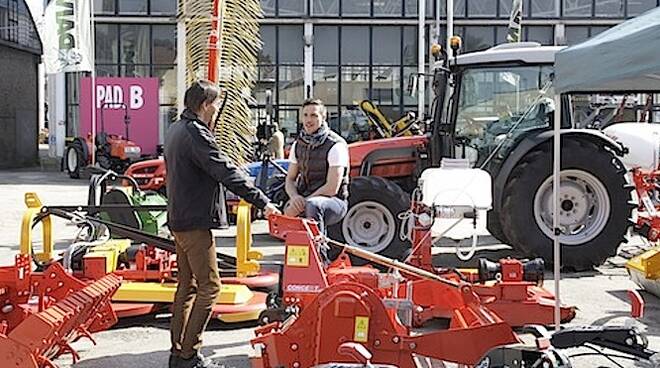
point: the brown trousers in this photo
(199, 285)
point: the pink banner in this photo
(116, 98)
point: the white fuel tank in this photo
(642, 141)
(455, 184)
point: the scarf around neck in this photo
(316, 139)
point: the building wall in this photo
(18, 108)
(341, 50)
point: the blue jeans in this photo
(326, 211)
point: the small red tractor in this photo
(111, 151)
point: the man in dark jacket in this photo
(317, 179)
(195, 167)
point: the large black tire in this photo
(372, 221)
(595, 199)
(494, 226)
(74, 159)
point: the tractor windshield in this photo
(495, 105)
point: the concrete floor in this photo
(143, 342)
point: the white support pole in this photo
(180, 64)
(308, 71)
(556, 183)
(92, 90)
(450, 23)
(421, 47)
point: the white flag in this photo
(68, 38)
(515, 27)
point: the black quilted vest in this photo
(313, 166)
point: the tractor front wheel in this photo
(594, 204)
(372, 221)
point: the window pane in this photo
(385, 85)
(387, 8)
(610, 8)
(354, 84)
(407, 98)
(542, 34)
(478, 38)
(596, 30)
(386, 43)
(268, 6)
(104, 6)
(106, 70)
(167, 83)
(576, 34)
(326, 45)
(577, 8)
(164, 47)
(107, 47)
(352, 123)
(291, 7)
(409, 45)
(544, 9)
(288, 119)
(459, 8)
(355, 45)
(291, 85)
(163, 7)
(267, 53)
(355, 7)
(265, 82)
(482, 8)
(135, 70)
(636, 7)
(134, 43)
(290, 44)
(72, 88)
(500, 38)
(325, 7)
(133, 6)
(411, 8)
(167, 117)
(326, 84)
(505, 8)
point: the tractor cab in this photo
(489, 100)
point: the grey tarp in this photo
(624, 58)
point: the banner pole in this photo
(93, 81)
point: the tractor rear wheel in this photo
(594, 208)
(74, 160)
(372, 222)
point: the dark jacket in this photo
(195, 166)
(313, 166)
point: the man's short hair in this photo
(201, 91)
(316, 102)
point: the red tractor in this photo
(112, 152)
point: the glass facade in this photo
(17, 27)
(341, 51)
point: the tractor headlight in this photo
(132, 151)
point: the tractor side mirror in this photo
(411, 88)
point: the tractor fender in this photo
(364, 156)
(534, 140)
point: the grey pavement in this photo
(600, 295)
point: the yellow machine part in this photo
(644, 270)
(34, 205)
(110, 251)
(246, 258)
(383, 125)
(154, 292)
